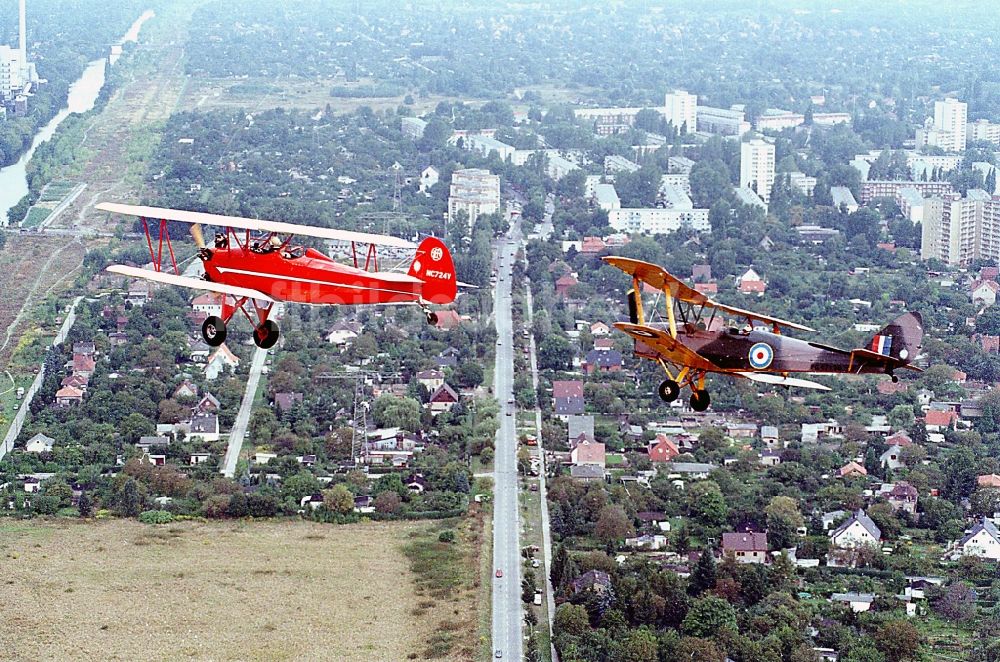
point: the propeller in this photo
(199, 238)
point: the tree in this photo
(703, 577)
(129, 500)
(554, 353)
(708, 616)
(613, 525)
(571, 619)
(863, 650)
(338, 499)
(392, 412)
(899, 640)
(84, 505)
(559, 560)
(783, 520)
(961, 474)
(707, 504)
(956, 602)
(238, 505)
(694, 649)
(388, 503)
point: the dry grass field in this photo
(120, 590)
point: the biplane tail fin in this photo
(900, 339)
(433, 265)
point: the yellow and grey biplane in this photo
(687, 346)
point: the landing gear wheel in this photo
(669, 390)
(213, 330)
(432, 317)
(265, 335)
(894, 378)
(699, 399)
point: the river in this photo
(82, 97)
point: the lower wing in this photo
(779, 380)
(190, 283)
(669, 348)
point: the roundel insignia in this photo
(761, 355)
(436, 254)
(643, 333)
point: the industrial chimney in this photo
(23, 44)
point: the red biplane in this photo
(255, 261)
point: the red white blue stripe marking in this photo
(882, 344)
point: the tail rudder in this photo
(900, 339)
(433, 265)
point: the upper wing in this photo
(192, 283)
(661, 280)
(670, 348)
(658, 278)
(779, 380)
(253, 224)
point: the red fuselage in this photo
(308, 276)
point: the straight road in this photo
(506, 516)
(239, 430)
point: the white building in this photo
(983, 130)
(11, 73)
(757, 167)
(958, 230)
(486, 145)
(614, 163)
(842, 196)
(39, 444)
(983, 540)
(722, 121)
(413, 127)
(802, 182)
(475, 191)
(607, 197)
(949, 127)
(911, 203)
(681, 109)
(428, 178)
(652, 220)
(857, 531)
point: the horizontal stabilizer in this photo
(191, 283)
(778, 380)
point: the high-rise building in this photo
(950, 115)
(475, 191)
(983, 130)
(681, 109)
(11, 70)
(757, 167)
(958, 230)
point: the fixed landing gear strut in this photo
(265, 334)
(670, 388)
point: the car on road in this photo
(498, 654)
(535, 563)
(499, 573)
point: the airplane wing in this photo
(670, 348)
(191, 283)
(778, 380)
(195, 217)
(660, 279)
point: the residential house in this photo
(32, 485)
(857, 531)
(416, 483)
(832, 517)
(988, 480)
(580, 425)
(596, 581)
(85, 347)
(39, 444)
(263, 458)
(984, 292)
(448, 358)
(858, 602)
(430, 379)
(198, 350)
(769, 458)
(900, 439)
(138, 293)
(588, 452)
(285, 401)
(598, 329)
(83, 365)
(701, 273)
(602, 360)
(567, 397)
(76, 381)
(938, 420)
(745, 547)
(68, 395)
(692, 470)
(209, 303)
(219, 362)
(205, 426)
(902, 496)
(852, 469)
(983, 540)
(207, 405)
(655, 519)
(769, 435)
(741, 430)
(186, 389)
(564, 284)
(892, 458)
(647, 543)
(199, 458)
(663, 449)
(343, 333)
(443, 399)
(750, 283)
(447, 319)
(587, 472)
